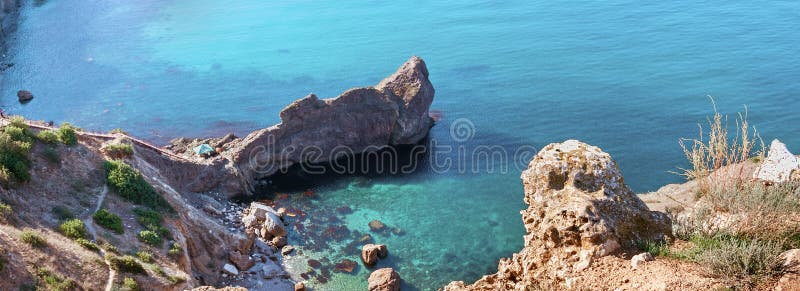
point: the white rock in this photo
(230, 269)
(778, 165)
(638, 259)
(791, 260)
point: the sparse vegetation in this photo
(126, 264)
(5, 212)
(741, 226)
(118, 130)
(67, 135)
(151, 220)
(54, 281)
(73, 229)
(108, 220)
(2, 263)
(145, 256)
(118, 150)
(62, 213)
(129, 284)
(32, 238)
(130, 184)
(175, 250)
(48, 136)
(150, 237)
(85, 243)
(51, 154)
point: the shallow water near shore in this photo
(629, 77)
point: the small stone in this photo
(299, 286)
(278, 241)
(640, 258)
(398, 231)
(230, 269)
(365, 239)
(779, 164)
(314, 263)
(287, 250)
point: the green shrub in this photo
(54, 281)
(118, 150)
(130, 184)
(5, 211)
(108, 220)
(2, 263)
(62, 213)
(18, 134)
(73, 229)
(49, 136)
(18, 121)
(32, 238)
(175, 250)
(66, 134)
(145, 256)
(176, 279)
(151, 220)
(655, 248)
(85, 243)
(150, 237)
(129, 284)
(126, 264)
(109, 247)
(14, 151)
(744, 261)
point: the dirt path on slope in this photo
(89, 223)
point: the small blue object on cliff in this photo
(203, 149)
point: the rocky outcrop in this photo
(385, 279)
(394, 112)
(24, 96)
(579, 210)
(370, 253)
(779, 166)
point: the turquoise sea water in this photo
(629, 76)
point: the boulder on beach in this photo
(370, 253)
(24, 95)
(385, 279)
(264, 221)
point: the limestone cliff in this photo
(579, 211)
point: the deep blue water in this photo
(629, 76)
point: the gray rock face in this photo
(779, 166)
(393, 112)
(579, 210)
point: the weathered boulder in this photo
(579, 209)
(640, 258)
(779, 165)
(264, 221)
(371, 252)
(791, 265)
(393, 112)
(241, 261)
(299, 286)
(385, 279)
(24, 95)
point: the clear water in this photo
(628, 76)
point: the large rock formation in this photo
(779, 166)
(393, 112)
(579, 209)
(385, 279)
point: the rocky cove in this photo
(249, 215)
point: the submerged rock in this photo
(24, 95)
(346, 266)
(385, 279)
(579, 209)
(376, 225)
(779, 166)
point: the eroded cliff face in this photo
(579, 211)
(393, 112)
